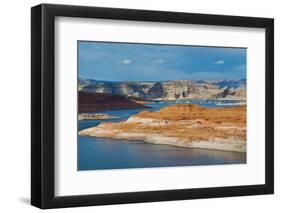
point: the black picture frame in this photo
(43, 111)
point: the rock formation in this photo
(186, 125)
(169, 90)
(93, 102)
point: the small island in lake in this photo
(185, 125)
(96, 116)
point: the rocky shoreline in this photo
(185, 125)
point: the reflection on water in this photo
(100, 153)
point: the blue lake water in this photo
(100, 153)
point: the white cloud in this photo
(219, 62)
(125, 61)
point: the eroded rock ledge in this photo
(186, 125)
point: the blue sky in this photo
(144, 62)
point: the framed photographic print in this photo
(139, 106)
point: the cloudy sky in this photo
(146, 62)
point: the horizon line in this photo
(237, 79)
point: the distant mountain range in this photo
(231, 83)
(168, 90)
